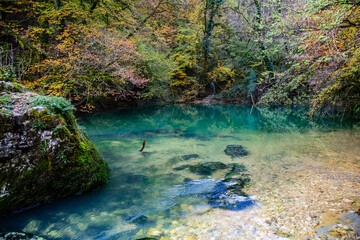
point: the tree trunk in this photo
(268, 63)
(211, 9)
(93, 6)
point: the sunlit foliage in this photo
(104, 52)
(324, 70)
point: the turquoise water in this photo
(150, 190)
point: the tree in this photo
(211, 10)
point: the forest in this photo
(179, 119)
(104, 53)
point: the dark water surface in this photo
(150, 190)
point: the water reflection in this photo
(181, 120)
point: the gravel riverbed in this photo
(302, 196)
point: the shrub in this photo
(7, 75)
(54, 104)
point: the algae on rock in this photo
(43, 154)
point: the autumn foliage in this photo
(93, 64)
(101, 53)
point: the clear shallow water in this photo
(146, 194)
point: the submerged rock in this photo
(230, 195)
(182, 167)
(186, 180)
(177, 159)
(352, 220)
(43, 154)
(227, 194)
(189, 156)
(140, 220)
(207, 168)
(235, 151)
(198, 187)
(19, 236)
(348, 227)
(174, 160)
(236, 169)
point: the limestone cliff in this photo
(43, 153)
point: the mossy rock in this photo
(11, 87)
(44, 156)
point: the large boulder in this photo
(43, 153)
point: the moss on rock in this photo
(44, 156)
(11, 87)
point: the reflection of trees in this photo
(206, 120)
(282, 119)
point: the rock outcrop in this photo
(43, 153)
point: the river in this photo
(301, 173)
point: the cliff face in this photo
(43, 153)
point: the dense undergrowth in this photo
(98, 53)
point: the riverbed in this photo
(302, 177)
